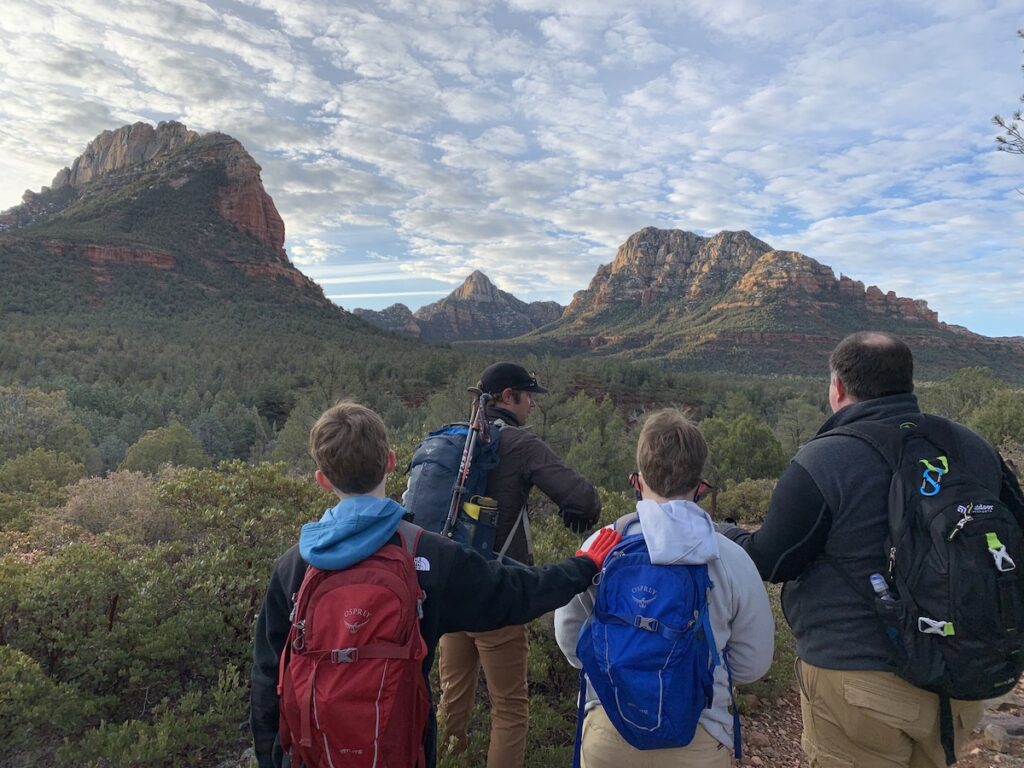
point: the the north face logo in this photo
(644, 595)
(356, 618)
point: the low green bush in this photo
(745, 501)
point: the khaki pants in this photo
(603, 747)
(502, 654)
(874, 720)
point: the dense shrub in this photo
(39, 466)
(174, 445)
(742, 448)
(745, 501)
(35, 710)
(123, 502)
(155, 639)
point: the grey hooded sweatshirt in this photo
(680, 532)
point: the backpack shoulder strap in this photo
(409, 534)
(625, 521)
(886, 439)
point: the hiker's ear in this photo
(392, 462)
(508, 395)
(323, 482)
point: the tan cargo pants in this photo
(502, 653)
(603, 747)
(874, 720)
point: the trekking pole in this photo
(475, 420)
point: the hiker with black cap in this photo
(525, 461)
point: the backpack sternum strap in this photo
(372, 651)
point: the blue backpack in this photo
(648, 648)
(433, 474)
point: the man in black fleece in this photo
(463, 590)
(830, 507)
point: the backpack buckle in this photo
(344, 655)
(1004, 563)
(642, 622)
(935, 627)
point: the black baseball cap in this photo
(500, 376)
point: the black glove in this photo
(578, 524)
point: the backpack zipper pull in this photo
(892, 562)
(967, 517)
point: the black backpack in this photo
(953, 604)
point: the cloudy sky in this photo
(408, 142)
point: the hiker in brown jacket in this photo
(525, 461)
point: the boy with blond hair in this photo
(671, 454)
(460, 589)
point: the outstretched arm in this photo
(794, 531)
(483, 594)
(576, 498)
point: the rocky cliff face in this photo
(682, 272)
(166, 154)
(655, 266)
(191, 206)
(243, 201)
(476, 310)
(731, 302)
(127, 146)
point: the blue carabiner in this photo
(928, 480)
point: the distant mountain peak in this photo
(477, 287)
(474, 311)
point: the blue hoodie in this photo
(350, 531)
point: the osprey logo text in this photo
(644, 595)
(355, 619)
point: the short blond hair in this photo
(671, 453)
(349, 444)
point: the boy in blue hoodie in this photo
(464, 592)
(670, 455)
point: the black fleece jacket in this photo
(464, 592)
(831, 506)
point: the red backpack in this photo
(350, 684)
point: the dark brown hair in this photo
(349, 444)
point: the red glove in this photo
(602, 544)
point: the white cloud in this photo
(529, 138)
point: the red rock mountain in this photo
(167, 198)
(476, 310)
(732, 302)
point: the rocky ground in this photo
(771, 734)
